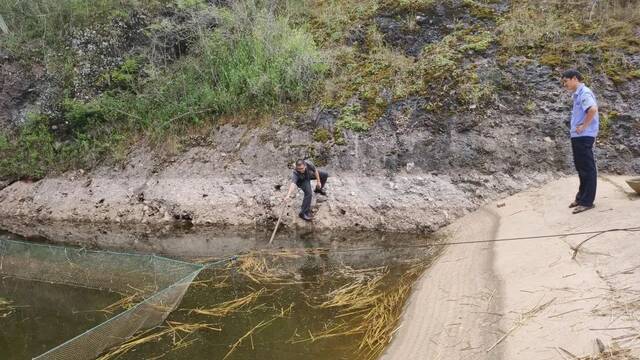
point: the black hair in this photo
(572, 73)
(299, 162)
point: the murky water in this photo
(40, 316)
(290, 285)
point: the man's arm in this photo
(292, 187)
(318, 182)
(591, 113)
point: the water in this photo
(291, 280)
(43, 315)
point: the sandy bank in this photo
(529, 299)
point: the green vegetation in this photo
(349, 119)
(556, 33)
(37, 151)
(266, 57)
(254, 60)
(321, 135)
(606, 119)
(477, 42)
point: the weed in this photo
(124, 77)
(479, 10)
(349, 119)
(606, 119)
(321, 135)
(477, 42)
(81, 116)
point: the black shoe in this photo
(320, 191)
(305, 217)
(580, 208)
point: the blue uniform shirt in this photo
(583, 99)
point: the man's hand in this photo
(580, 128)
(287, 196)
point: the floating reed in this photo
(6, 308)
(126, 302)
(255, 267)
(231, 306)
(369, 310)
(262, 324)
(179, 333)
(381, 319)
(215, 282)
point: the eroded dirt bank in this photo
(195, 188)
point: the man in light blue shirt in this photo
(584, 129)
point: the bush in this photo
(31, 155)
(81, 117)
(255, 60)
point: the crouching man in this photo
(302, 175)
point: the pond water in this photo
(37, 316)
(309, 295)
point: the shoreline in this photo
(402, 203)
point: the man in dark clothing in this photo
(584, 129)
(301, 177)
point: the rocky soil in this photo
(415, 170)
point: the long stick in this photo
(284, 206)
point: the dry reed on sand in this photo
(179, 333)
(614, 352)
(231, 306)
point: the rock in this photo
(410, 166)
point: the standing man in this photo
(301, 177)
(584, 129)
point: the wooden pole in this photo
(284, 206)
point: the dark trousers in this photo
(586, 165)
(305, 186)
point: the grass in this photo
(255, 60)
(556, 34)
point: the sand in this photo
(529, 299)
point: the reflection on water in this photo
(310, 296)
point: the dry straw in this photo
(229, 307)
(126, 302)
(370, 308)
(179, 333)
(6, 308)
